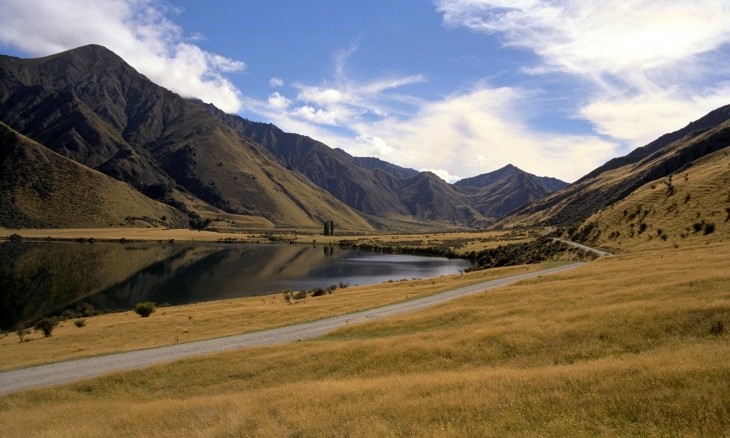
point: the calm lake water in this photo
(39, 279)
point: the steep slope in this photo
(427, 197)
(693, 204)
(39, 188)
(373, 187)
(496, 193)
(618, 178)
(89, 105)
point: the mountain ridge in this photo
(100, 112)
(89, 105)
(619, 177)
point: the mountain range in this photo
(148, 156)
(90, 106)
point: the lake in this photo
(41, 279)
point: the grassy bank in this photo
(636, 344)
(125, 331)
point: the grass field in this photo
(632, 345)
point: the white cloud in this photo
(626, 39)
(652, 64)
(460, 136)
(278, 101)
(482, 130)
(276, 82)
(137, 30)
(638, 119)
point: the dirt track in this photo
(73, 370)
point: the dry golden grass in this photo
(126, 331)
(622, 346)
(460, 242)
(672, 211)
(147, 234)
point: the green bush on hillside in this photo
(46, 325)
(145, 308)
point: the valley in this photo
(635, 343)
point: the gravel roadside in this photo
(78, 369)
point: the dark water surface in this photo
(39, 279)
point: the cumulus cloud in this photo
(278, 101)
(137, 30)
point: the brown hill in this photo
(495, 194)
(89, 105)
(618, 178)
(385, 191)
(690, 205)
(39, 188)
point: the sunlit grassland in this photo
(627, 345)
(169, 325)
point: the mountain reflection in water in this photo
(40, 279)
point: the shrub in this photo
(86, 310)
(145, 308)
(717, 328)
(709, 228)
(286, 293)
(15, 237)
(80, 323)
(22, 333)
(46, 325)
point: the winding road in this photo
(73, 370)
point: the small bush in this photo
(80, 323)
(717, 328)
(286, 294)
(145, 308)
(22, 333)
(86, 310)
(15, 237)
(46, 325)
(709, 228)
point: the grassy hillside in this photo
(618, 178)
(690, 205)
(635, 344)
(43, 189)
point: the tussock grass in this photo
(622, 346)
(671, 211)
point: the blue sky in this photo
(458, 87)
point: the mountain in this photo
(39, 188)
(497, 193)
(88, 105)
(371, 186)
(384, 190)
(620, 177)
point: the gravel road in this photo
(595, 251)
(73, 370)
